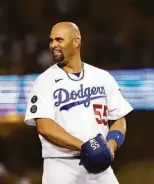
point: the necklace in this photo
(75, 79)
(82, 65)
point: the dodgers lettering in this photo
(82, 96)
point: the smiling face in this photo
(63, 42)
(57, 48)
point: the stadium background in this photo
(117, 36)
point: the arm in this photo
(118, 108)
(120, 125)
(57, 135)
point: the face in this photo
(61, 45)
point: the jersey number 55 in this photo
(101, 113)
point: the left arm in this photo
(119, 125)
(118, 108)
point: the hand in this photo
(95, 155)
(113, 146)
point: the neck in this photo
(74, 65)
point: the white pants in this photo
(68, 171)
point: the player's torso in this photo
(80, 105)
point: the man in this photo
(71, 102)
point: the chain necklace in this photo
(82, 65)
(76, 79)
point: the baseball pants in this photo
(68, 171)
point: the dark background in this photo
(115, 35)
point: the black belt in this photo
(75, 157)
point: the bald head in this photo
(67, 28)
(65, 41)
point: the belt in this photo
(75, 157)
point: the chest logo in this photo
(57, 80)
(73, 98)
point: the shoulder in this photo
(98, 71)
(47, 77)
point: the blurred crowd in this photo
(115, 34)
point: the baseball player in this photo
(71, 104)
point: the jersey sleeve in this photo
(118, 106)
(40, 103)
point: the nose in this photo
(53, 44)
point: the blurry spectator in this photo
(65, 6)
(16, 54)
(45, 59)
(24, 180)
(3, 39)
(16, 58)
(1, 12)
(31, 43)
(3, 173)
(3, 170)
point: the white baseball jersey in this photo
(81, 105)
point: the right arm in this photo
(43, 116)
(57, 135)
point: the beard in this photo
(57, 57)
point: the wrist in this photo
(112, 144)
(79, 145)
(116, 136)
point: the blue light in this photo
(137, 86)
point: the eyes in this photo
(58, 39)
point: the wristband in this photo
(117, 136)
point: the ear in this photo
(77, 42)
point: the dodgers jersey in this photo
(81, 105)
